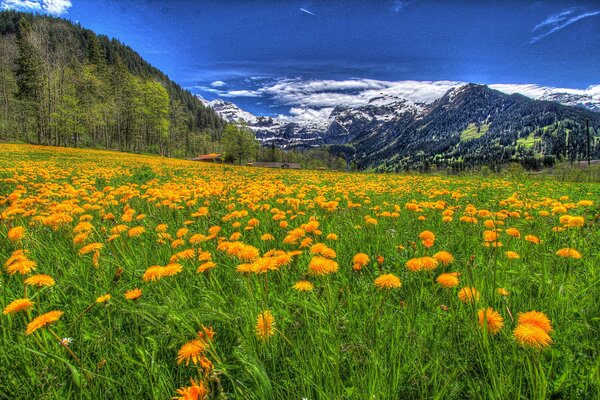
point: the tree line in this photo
(63, 85)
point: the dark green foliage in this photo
(64, 85)
(518, 129)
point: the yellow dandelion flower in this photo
(568, 253)
(444, 258)
(514, 232)
(511, 255)
(17, 305)
(153, 273)
(22, 266)
(15, 234)
(196, 391)
(531, 336)
(387, 281)
(468, 295)
(265, 325)
(448, 280)
(172, 269)
(103, 298)
(206, 266)
(191, 352)
(133, 294)
(533, 239)
(536, 318)
(361, 259)
(136, 231)
(490, 319)
(303, 286)
(43, 320)
(39, 280)
(90, 248)
(320, 266)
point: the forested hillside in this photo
(61, 84)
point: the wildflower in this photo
(536, 318)
(90, 248)
(15, 234)
(533, 239)
(17, 306)
(206, 266)
(491, 319)
(303, 286)
(468, 295)
(511, 255)
(422, 263)
(39, 280)
(322, 266)
(568, 253)
(502, 292)
(388, 281)
(66, 341)
(191, 352)
(380, 260)
(172, 269)
(444, 257)
(427, 238)
(153, 273)
(265, 325)
(133, 294)
(136, 231)
(267, 237)
(332, 236)
(196, 391)
(360, 260)
(490, 236)
(514, 232)
(23, 266)
(42, 320)
(448, 280)
(531, 335)
(161, 227)
(103, 298)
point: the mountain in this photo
(64, 85)
(470, 124)
(576, 100)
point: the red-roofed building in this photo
(212, 157)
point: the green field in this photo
(474, 131)
(192, 280)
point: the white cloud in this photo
(558, 22)
(218, 84)
(536, 91)
(352, 92)
(310, 102)
(53, 7)
(241, 93)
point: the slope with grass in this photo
(273, 284)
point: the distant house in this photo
(212, 157)
(282, 165)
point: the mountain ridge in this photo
(389, 131)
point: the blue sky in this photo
(258, 52)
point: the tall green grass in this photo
(344, 340)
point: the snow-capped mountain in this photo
(469, 122)
(339, 126)
(576, 100)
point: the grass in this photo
(474, 131)
(528, 142)
(346, 338)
